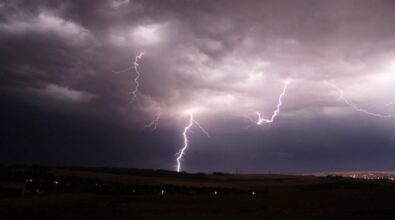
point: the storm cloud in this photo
(66, 101)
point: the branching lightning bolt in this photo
(356, 108)
(201, 128)
(182, 151)
(187, 128)
(154, 123)
(136, 79)
(276, 112)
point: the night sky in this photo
(65, 99)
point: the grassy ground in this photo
(327, 204)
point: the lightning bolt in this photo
(201, 128)
(356, 108)
(154, 123)
(136, 79)
(276, 112)
(184, 134)
(187, 128)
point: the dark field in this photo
(340, 204)
(97, 194)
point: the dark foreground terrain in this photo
(73, 193)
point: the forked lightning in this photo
(356, 108)
(276, 112)
(187, 128)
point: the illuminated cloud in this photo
(66, 94)
(47, 23)
(148, 34)
(227, 59)
(119, 3)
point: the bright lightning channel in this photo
(356, 108)
(187, 128)
(277, 111)
(136, 79)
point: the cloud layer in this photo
(226, 59)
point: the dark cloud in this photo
(65, 103)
